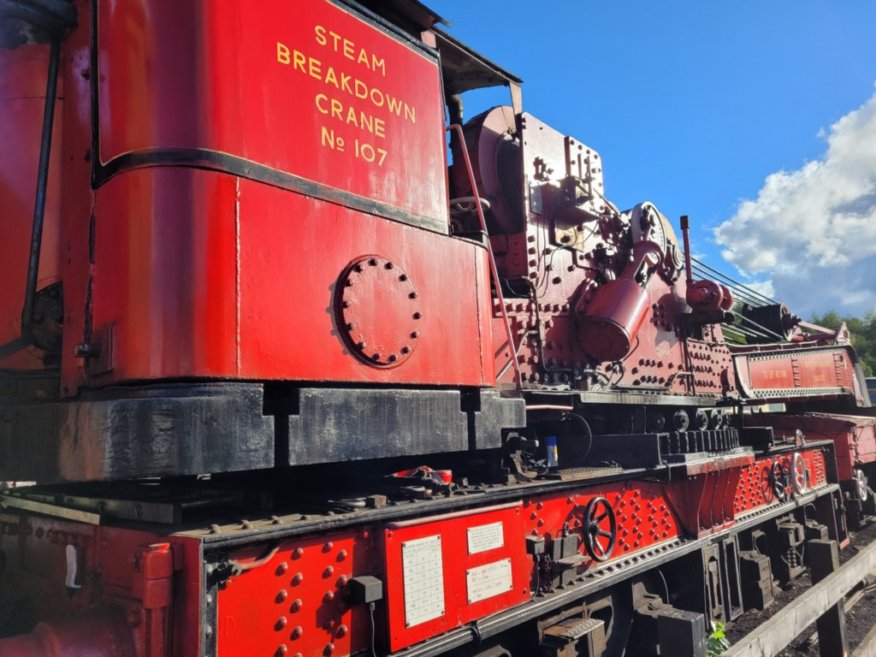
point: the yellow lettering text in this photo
(395, 106)
(337, 109)
(298, 61)
(319, 31)
(314, 68)
(321, 100)
(349, 49)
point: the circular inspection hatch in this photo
(378, 311)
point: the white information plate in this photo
(423, 580)
(488, 580)
(485, 537)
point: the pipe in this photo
(685, 233)
(39, 203)
(493, 269)
(550, 407)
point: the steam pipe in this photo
(685, 233)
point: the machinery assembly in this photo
(301, 360)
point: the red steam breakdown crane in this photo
(297, 359)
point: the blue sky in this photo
(693, 105)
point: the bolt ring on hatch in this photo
(599, 539)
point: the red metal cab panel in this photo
(165, 274)
(204, 274)
(332, 129)
(293, 251)
(309, 90)
(22, 91)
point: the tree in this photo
(863, 335)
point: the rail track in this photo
(829, 612)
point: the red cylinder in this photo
(612, 319)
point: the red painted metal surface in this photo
(703, 500)
(292, 596)
(133, 592)
(77, 197)
(271, 203)
(297, 597)
(612, 319)
(572, 314)
(212, 275)
(424, 601)
(783, 373)
(22, 91)
(755, 488)
(854, 437)
(644, 515)
(295, 601)
(208, 274)
(300, 91)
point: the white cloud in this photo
(765, 288)
(812, 232)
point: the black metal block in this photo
(714, 589)
(681, 633)
(661, 629)
(334, 425)
(757, 580)
(816, 531)
(492, 414)
(364, 590)
(627, 450)
(758, 437)
(132, 433)
(733, 606)
(534, 545)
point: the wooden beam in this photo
(824, 560)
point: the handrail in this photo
(493, 269)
